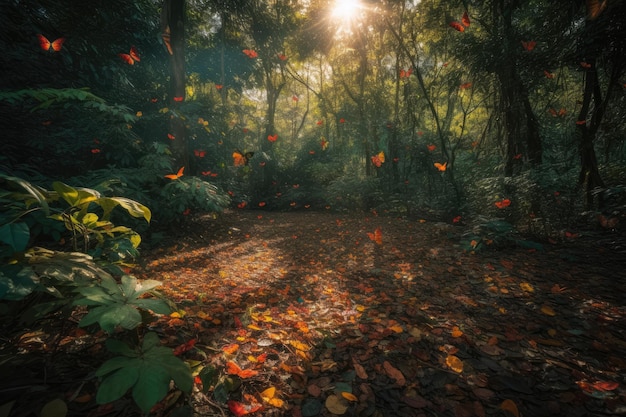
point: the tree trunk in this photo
(173, 32)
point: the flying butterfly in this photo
(529, 45)
(378, 159)
(250, 53)
(46, 45)
(241, 158)
(595, 8)
(131, 57)
(272, 138)
(441, 167)
(177, 175)
(458, 26)
(377, 236)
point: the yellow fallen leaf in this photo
(526, 287)
(454, 363)
(547, 310)
(299, 345)
(397, 328)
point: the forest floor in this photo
(303, 314)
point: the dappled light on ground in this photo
(312, 307)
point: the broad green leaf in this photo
(115, 385)
(150, 341)
(54, 408)
(133, 208)
(145, 286)
(15, 235)
(129, 283)
(37, 193)
(151, 387)
(119, 347)
(179, 371)
(93, 296)
(116, 363)
(158, 306)
(94, 316)
(120, 315)
(16, 282)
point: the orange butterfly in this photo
(529, 45)
(431, 147)
(262, 204)
(218, 86)
(581, 122)
(441, 167)
(282, 57)
(319, 122)
(378, 159)
(171, 137)
(46, 45)
(295, 98)
(377, 236)
(131, 57)
(503, 203)
(177, 175)
(461, 27)
(250, 53)
(342, 120)
(241, 205)
(585, 65)
(272, 138)
(241, 159)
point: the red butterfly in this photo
(585, 65)
(465, 86)
(250, 53)
(431, 147)
(178, 99)
(378, 159)
(529, 45)
(458, 26)
(199, 153)
(282, 57)
(503, 203)
(131, 57)
(46, 45)
(406, 74)
(295, 98)
(548, 74)
(272, 138)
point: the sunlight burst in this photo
(345, 10)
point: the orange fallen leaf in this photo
(509, 406)
(233, 369)
(454, 363)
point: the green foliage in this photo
(146, 370)
(190, 193)
(116, 304)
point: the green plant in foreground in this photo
(146, 370)
(118, 304)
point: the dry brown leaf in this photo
(360, 371)
(547, 310)
(394, 373)
(509, 406)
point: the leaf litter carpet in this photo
(303, 314)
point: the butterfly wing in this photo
(465, 19)
(134, 54)
(57, 44)
(127, 58)
(44, 43)
(441, 167)
(456, 25)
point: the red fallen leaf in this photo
(233, 369)
(179, 350)
(605, 385)
(240, 409)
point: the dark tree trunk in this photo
(173, 26)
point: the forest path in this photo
(413, 327)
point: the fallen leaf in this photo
(394, 373)
(454, 363)
(509, 406)
(336, 404)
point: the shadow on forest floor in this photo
(413, 327)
